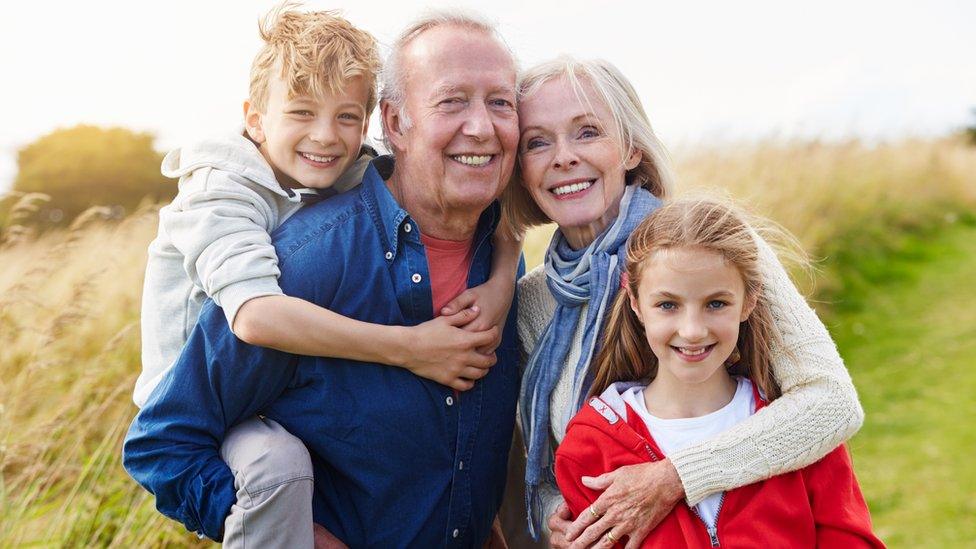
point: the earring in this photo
(734, 358)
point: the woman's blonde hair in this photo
(630, 124)
(312, 52)
(705, 224)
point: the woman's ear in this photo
(253, 120)
(633, 160)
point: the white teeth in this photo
(473, 160)
(692, 352)
(574, 188)
(317, 158)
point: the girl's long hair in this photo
(704, 224)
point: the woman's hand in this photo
(559, 522)
(442, 351)
(635, 499)
(493, 298)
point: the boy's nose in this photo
(323, 133)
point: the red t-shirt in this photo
(448, 262)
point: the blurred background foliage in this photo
(84, 166)
(891, 225)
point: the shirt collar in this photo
(389, 216)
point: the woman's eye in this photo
(534, 143)
(588, 132)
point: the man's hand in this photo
(635, 499)
(325, 540)
(559, 522)
(442, 351)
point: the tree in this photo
(88, 166)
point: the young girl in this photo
(685, 356)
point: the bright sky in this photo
(707, 71)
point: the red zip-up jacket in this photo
(818, 506)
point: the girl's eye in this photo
(716, 304)
(667, 305)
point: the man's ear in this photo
(749, 306)
(633, 160)
(253, 122)
(392, 124)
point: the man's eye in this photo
(502, 103)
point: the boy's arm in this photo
(173, 445)
(818, 410)
(438, 349)
(839, 509)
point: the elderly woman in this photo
(590, 162)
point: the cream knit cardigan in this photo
(818, 411)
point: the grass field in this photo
(892, 223)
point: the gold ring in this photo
(610, 537)
(594, 513)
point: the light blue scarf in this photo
(575, 277)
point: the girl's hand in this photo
(493, 298)
(559, 522)
(440, 350)
(635, 499)
(324, 539)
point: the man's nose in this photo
(478, 123)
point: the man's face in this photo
(310, 141)
(459, 148)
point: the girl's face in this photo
(691, 302)
(570, 158)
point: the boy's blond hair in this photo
(312, 52)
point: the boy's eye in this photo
(301, 112)
(350, 116)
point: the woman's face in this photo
(570, 158)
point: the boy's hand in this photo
(440, 350)
(494, 298)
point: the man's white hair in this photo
(393, 80)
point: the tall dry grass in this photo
(69, 312)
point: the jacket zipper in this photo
(712, 530)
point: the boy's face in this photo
(310, 142)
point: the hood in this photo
(235, 154)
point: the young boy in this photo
(312, 90)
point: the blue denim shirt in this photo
(399, 460)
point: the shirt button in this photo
(388, 255)
(407, 228)
(416, 278)
(450, 401)
(455, 532)
(460, 466)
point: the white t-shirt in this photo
(672, 435)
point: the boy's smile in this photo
(310, 142)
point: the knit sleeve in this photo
(818, 411)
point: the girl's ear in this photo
(749, 305)
(633, 160)
(634, 305)
(253, 122)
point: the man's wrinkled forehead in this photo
(453, 42)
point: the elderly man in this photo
(398, 460)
